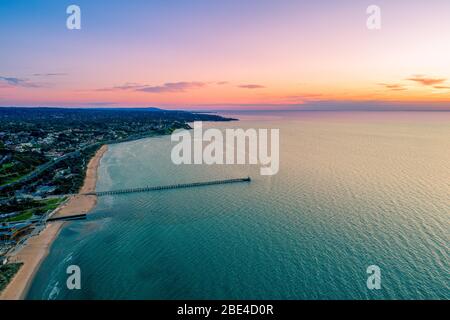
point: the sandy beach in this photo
(37, 248)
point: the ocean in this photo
(353, 190)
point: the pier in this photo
(68, 218)
(168, 187)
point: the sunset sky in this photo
(206, 54)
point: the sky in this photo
(233, 54)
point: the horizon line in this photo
(335, 109)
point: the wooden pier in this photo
(168, 187)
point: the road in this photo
(75, 153)
(46, 166)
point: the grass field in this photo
(7, 272)
(43, 207)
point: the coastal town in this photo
(45, 158)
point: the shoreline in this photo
(37, 248)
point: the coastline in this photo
(37, 247)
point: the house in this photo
(44, 190)
(12, 232)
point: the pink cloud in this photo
(172, 87)
(393, 86)
(426, 81)
(164, 88)
(251, 86)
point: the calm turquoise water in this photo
(353, 190)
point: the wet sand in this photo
(79, 204)
(37, 247)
